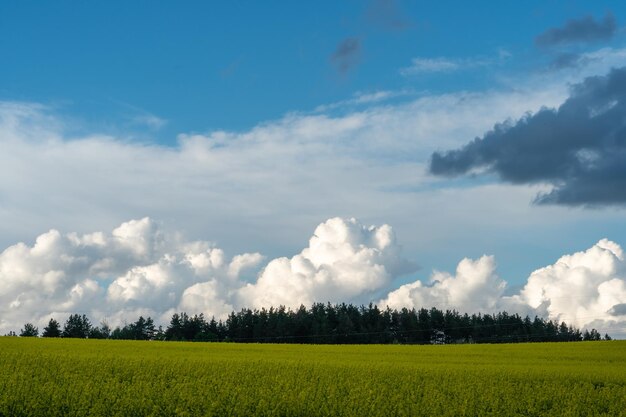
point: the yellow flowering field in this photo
(61, 377)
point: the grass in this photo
(60, 377)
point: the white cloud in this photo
(150, 120)
(276, 179)
(344, 261)
(475, 288)
(140, 117)
(421, 65)
(134, 268)
(586, 289)
(443, 64)
(137, 269)
(361, 98)
(581, 288)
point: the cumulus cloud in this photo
(586, 289)
(474, 288)
(345, 260)
(586, 29)
(135, 268)
(138, 269)
(347, 54)
(579, 148)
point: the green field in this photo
(50, 377)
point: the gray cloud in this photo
(618, 310)
(585, 29)
(579, 148)
(347, 54)
(387, 14)
(567, 60)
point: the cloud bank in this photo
(138, 269)
(585, 289)
(579, 148)
(276, 179)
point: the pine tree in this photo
(53, 329)
(77, 326)
(29, 330)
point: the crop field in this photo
(54, 377)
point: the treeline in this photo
(330, 324)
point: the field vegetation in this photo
(64, 376)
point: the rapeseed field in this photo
(73, 377)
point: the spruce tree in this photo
(53, 329)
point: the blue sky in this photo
(230, 65)
(249, 126)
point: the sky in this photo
(158, 157)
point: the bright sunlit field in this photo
(54, 377)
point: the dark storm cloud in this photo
(579, 148)
(581, 30)
(347, 54)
